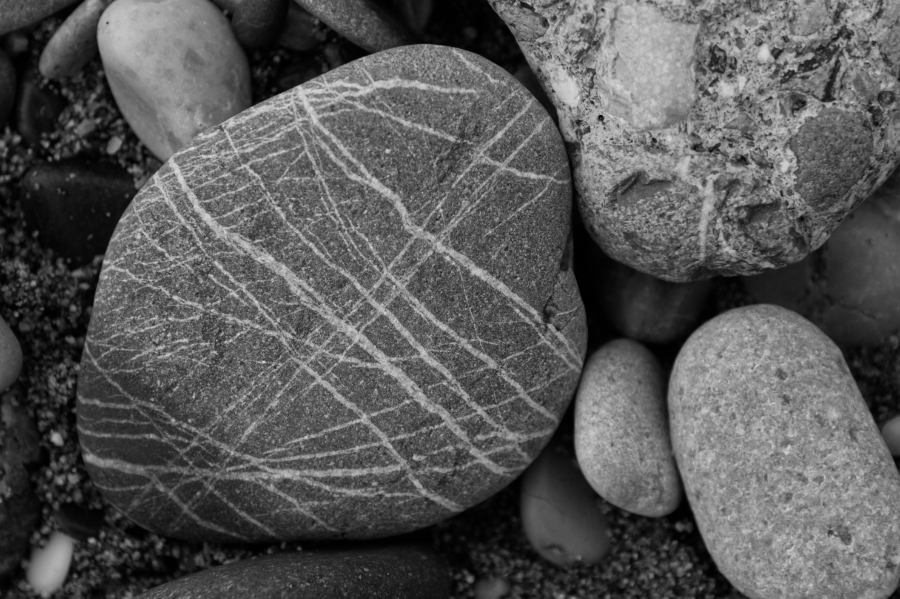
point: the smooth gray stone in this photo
(346, 312)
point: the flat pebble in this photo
(560, 513)
(7, 87)
(74, 44)
(20, 13)
(75, 204)
(49, 565)
(37, 111)
(891, 434)
(622, 430)
(174, 67)
(788, 478)
(379, 339)
(258, 23)
(365, 23)
(10, 356)
(363, 572)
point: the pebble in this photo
(50, 564)
(258, 23)
(10, 356)
(74, 44)
(15, 14)
(891, 434)
(38, 111)
(363, 572)
(621, 430)
(367, 24)
(657, 106)
(174, 67)
(7, 87)
(378, 341)
(415, 13)
(301, 31)
(75, 204)
(560, 513)
(848, 287)
(788, 478)
(78, 522)
(490, 588)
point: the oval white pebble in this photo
(891, 433)
(50, 564)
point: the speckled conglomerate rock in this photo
(717, 136)
(788, 478)
(347, 312)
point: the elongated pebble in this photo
(75, 42)
(10, 356)
(50, 564)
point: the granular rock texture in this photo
(346, 312)
(790, 482)
(718, 136)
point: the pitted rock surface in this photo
(346, 312)
(717, 137)
(790, 482)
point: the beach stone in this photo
(49, 565)
(258, 23)
(74, 44)
(622, 430)
(337, 337)
(717, 141)
(15, 14)
(38, 111)
(891, 434)
(848, 287)
(560, 513)
(75, 204)
(415, 13)
(390, 572)
(10, 356)
(366, 23)
(7, 87)
(790, 482)
(174, 68)
(302, 31)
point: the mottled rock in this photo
(366, 23)
(74, 44)
(7, 87)
(390, 572)
(560, 513)
(174, 68)
(622, 430)
(258, 23)
(336, 336)
(848, 287)
(37, 111)
(725, 141)
(19, 13)
(788, 478)
(74, 205)
(10, 356)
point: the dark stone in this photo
(833, 151)
(352, 308)
(302, 31)
(75, 204)
(366, 23)
(38, 111)
(19, 13)
(388, 572)
(7, 87)
(78, 522)
(258, 23)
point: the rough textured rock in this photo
(75, 42)
(790, 482)
(848, 287)
(346, 312)
(174, 68)
(19, 13)
(364, 22)
(717, 137)
(622, 430)
(390, 572)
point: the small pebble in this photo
(38, 111)
(10, 356)
(7, 87)
(490, 588)
(74, 44)
(560, 512)
(174, 67)
(49, 564)
(257, 23)
(416, 13)
(891, 433)
(79, 523)
(301, 31)
(15, 14)
(367, 24)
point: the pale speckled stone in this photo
(717, 136)
(622, 430)
(788, 477)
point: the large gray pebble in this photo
(364, 22)
(19, 13)
(622, 430)
(792, 486)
